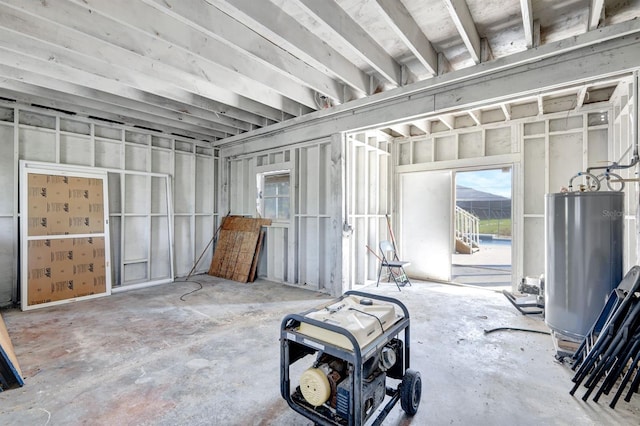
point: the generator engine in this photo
(330, 380)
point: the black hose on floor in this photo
(515, 329)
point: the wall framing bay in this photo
(145, 169)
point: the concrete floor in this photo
(146, 357)
(490, 267)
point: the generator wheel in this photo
(410, 392)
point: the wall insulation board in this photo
(64, 235)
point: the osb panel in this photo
(235, 251)
(62, 205)
(65, 268)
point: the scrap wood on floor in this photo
(238, 249)
(10, 374)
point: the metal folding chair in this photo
(395, 266)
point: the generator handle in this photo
(378, 297)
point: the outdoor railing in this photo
(467, 228)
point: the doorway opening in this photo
(483, 228)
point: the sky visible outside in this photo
(495, 181)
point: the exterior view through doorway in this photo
(483, 230)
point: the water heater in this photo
(583, 257)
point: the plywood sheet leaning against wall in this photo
(236, 253)
(10, 373)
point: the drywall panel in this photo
(136, 194)
(108, 154)
(277, 243)
(159, 204)
(422, 151)
(160, 266)
(426, 224)
(308, 261)
(358, 165)
(183, 183)
(533, 234)
(204, 181)
(445, 148)
(134, 273)
(162, 161)
(204, 233)
(565, 123)
(37, 145)
(309, 175)
(404, 153)
(136, 230)
(325, 271)
(7, 259)
(136, 158)
(534, 175)
(498, 141)
(598, 147)
(565, 159)
(470, 145)
(184, 241)
(76, 149)
(115, 228)
(7, 165)
(115, 205)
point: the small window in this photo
(274, 202)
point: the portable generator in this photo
(355, 345)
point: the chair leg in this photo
(379, 273)
(395, 278)
(406, 278)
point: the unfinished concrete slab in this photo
(164, 356)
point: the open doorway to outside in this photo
(482, 236)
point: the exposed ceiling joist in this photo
(204, 52)
(224, 67)
(148, 120)
(40, 83)
(582, 94)
(422, 125)
(506, 110)
(399, 18)
(527, 21)
(145, 56)
(596, 9)
(463, 21)
(331, 14)
(243, 39)
(476, 116)
(57, 101)
(281, 29)
(402, 129)
(448, 120)
(540, 100)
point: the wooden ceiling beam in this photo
(153, 59)
(146, 92)
(596, 10)
(207, 21)
(53, 44)
(527, 22)
(332, 15)
(406, 28)
(273, 24)
(9, 73)
(463, 21)
(26, 94)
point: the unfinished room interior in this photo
(319, 212)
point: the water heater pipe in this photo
(635, 129)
